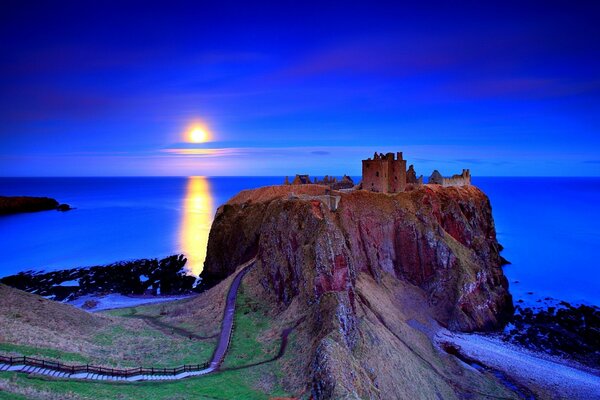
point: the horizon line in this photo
(268, 176)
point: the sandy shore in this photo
(555, 377)
(112, 301)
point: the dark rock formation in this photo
(20, 204)
(434, 247)
(166, 276)
(565, 331)
(64, 207)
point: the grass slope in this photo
(36, 327)
(254, 341)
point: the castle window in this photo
(377, 174)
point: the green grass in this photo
(154, 349)
(122, 347)
(108, 337)
(250, 321)
(252, 382)
(119, 312)
(38, 352)
(11, 396)
(223, 385)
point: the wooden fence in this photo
(91, 369)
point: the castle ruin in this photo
(345, 183)
(384, 173)
(455, 180)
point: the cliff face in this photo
(377, 259)
(440, 239)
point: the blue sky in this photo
(109, 88)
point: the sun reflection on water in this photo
(197, 218)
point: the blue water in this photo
(548, 226)
(550, 229)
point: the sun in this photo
(198, 134)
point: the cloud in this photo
(320, 152)
(519, 87)
(481, 161)
(210, 153)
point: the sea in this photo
(549, 227)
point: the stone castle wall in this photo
(384, 173)
(464, 179)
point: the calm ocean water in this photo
(548, 226)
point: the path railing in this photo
(92, 369)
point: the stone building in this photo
(345, 183)
(301, 180)
(411, 176)
(384, 173)
(464, 179)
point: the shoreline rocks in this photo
(64, 207)
(166, 276)
(567, 331)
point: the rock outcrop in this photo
(20, 204)
(367, 274)
(167, 277)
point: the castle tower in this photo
(384, 173)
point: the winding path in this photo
(215, 363)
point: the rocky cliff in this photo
(372, 278)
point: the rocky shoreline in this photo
(22, 204)
(145, 276)
(567, 331)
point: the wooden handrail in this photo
(74, 369)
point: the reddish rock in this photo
(440, 239)
(361, 276)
